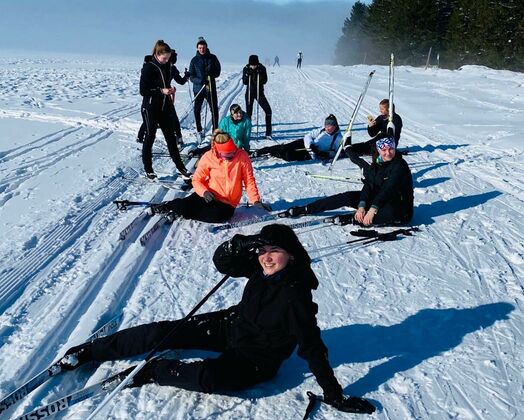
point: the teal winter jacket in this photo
(239, 131)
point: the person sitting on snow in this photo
(253, 338)
(218, 181)
(321, 143)
(377, 129)
(387, 195)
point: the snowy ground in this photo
(426, 327)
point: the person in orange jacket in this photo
(221, 175)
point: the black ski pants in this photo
(264, 104)
(230, 371)
(143, 128)
(195, 207)
(212, 100)
(164, 119)
(292, 151)
(387, 214)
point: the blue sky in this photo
(233, 29)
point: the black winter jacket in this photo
(154, 77)
(382, 124)
(275, 314)
(389, 183)
(249, 78)
(202, 66)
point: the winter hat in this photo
(284, 237)
(223, 143)
(385, 143)
(234, 108)
(253, 60)
(201, 41)
(331, 120)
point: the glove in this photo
(346, 138)
(208, 197)
(186, 75)
(351, 404)
(345, 219)
(242, 244)
(261, 205)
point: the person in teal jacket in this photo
(238, 125)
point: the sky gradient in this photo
(233, 29)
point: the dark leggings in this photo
(264, 104)
(292, 151)
(212, 101)
(195, 207)
(387, 214)
(165, 121)
(230, 371)
(143, 128)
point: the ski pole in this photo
(352, 119)
(390, 129)
(313, 399)
(151, 354)
(198, 93)
(189, 87)
(258, 99)
(122, 205)
(211, 105)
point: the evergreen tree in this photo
(351, 46)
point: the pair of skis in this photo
(52, 370)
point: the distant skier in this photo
(275, 314)
(377, 128)
(204, 69)
(158, 108)
(254, 76)
(175, 74)
(299, 60)
(218, 181)
(387, 195)
(277, 61)
(321, 143)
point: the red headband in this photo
(227, 147)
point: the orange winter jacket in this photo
(224, 178)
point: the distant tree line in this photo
(484, 32)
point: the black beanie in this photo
(284, 237)
(202, 41)
(253, 60)
(234, 108)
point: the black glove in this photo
(208, 197)
(162, 208)
(249, 71)
(261, 205)
(351, 404)
(345, 219)
(207, 69)
(187, 75)
(243, 244)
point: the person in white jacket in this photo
(321, 143)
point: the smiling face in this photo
(201, 48)
(383, 109)
(272, 259)
(387, 153)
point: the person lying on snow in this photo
(321, 143)
(275, 314)
(387, 195)
(218, 181)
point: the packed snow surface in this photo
(428, 326)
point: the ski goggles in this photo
(386, 143)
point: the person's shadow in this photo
(419, 337)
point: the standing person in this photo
(204, 69)
(175, 74)
(275, 315)
(377, 128)
(321, 143)
(277, 61)
(158, 108)
(299, 60)
(387, 195)
(218, 181)
(254, 76)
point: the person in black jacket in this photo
(377, 129)
(203, 70)
(158, 107)
(175, 74)
(275, 314)
(387, 195)
(254, 76)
